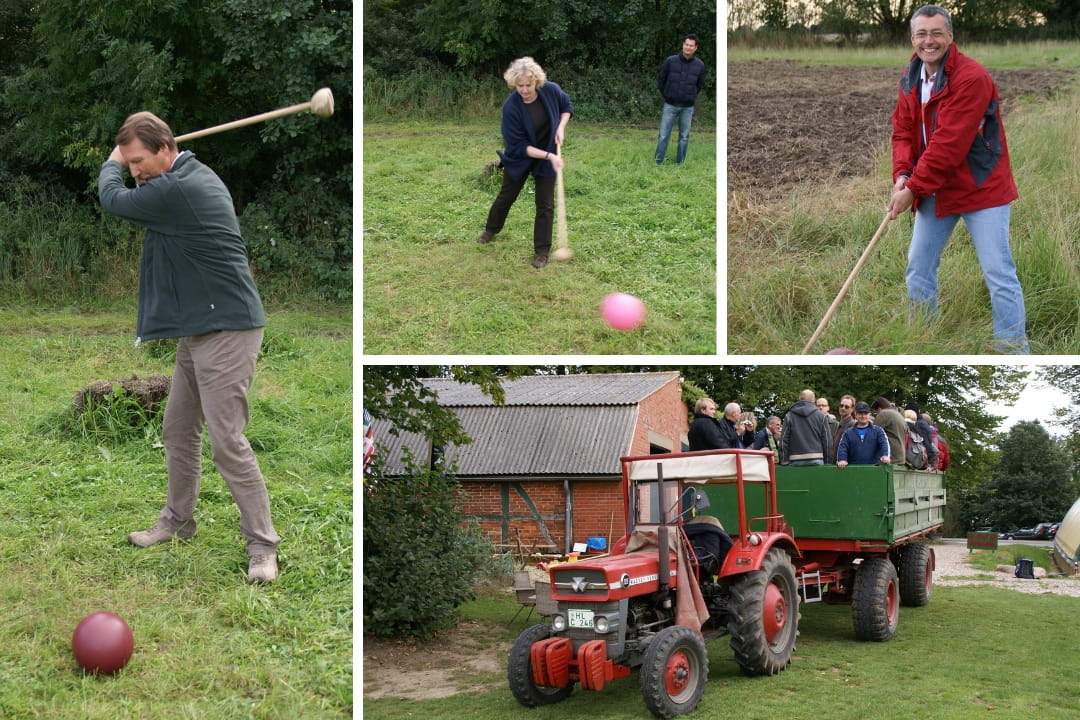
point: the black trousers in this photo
(545, 209)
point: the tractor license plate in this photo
(579, 618)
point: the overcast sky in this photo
(1037, 402)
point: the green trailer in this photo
(860, 532)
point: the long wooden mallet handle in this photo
(321, 103)
(563, 235)
(844, 288)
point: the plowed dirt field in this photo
(790, 123)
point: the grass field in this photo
(972, 652)
(788, 247)
(429, 288)
(207, 645)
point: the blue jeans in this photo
(989, 230)
(805, 463)
(667, 122)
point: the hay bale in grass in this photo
(146, 392)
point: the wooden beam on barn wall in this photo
(534, 513)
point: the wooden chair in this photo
(525, 593)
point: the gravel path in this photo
(952, 570)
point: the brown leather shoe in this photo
(539, 261)
(485, 237)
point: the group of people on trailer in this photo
(863, 434)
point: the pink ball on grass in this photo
(841, 351)
(622, 311)
(102, 643)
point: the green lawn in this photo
(972, 652)
(207, 645)
(429, 288)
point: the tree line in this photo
(71, 71)
(887, 20)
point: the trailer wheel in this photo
(875, 600)
(674, 671)
(519, 671)
(765, 616)
(916, 574)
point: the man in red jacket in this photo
(951, 161)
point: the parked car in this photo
(1052, 533)
(1039, 532)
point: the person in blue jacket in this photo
(534, 119)
(863, 443)
(681, 78)
(195, 285)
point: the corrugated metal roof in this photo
(606, 389)
(526, 441)
(549, 426)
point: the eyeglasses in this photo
(936, 34)
(844, 405)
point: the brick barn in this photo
(543, 468)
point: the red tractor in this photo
(674, 582)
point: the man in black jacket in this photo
(681, 78)
(708, 433)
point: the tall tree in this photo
(1031, 483)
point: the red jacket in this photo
(966, 159)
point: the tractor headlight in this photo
(558, 622)
(601, 625)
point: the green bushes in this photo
(51, 246)
(608, 95)
(420, 563)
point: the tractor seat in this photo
(710, 542)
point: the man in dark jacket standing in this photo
(805, 438)
(681, 78)
(195, 285)
(951, 161)
(708, 433)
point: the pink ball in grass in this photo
(841, 351)
(622, 311)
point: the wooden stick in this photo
(563, 235)
(323, 109)
(844, 289)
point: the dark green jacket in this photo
(193, 276)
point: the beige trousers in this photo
(210, 384)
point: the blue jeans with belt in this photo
(989, 230)
(667, 122)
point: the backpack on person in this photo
(915, 451)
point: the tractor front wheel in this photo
(875, 600)
(765, 616)
(519, 671)
(674, 672)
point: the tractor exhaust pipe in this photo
(664, 566)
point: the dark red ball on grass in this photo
(102, 643)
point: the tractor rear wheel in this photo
(519, 671)
(764, 618)
(674, 672)
(916, 574)
(875, 600)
